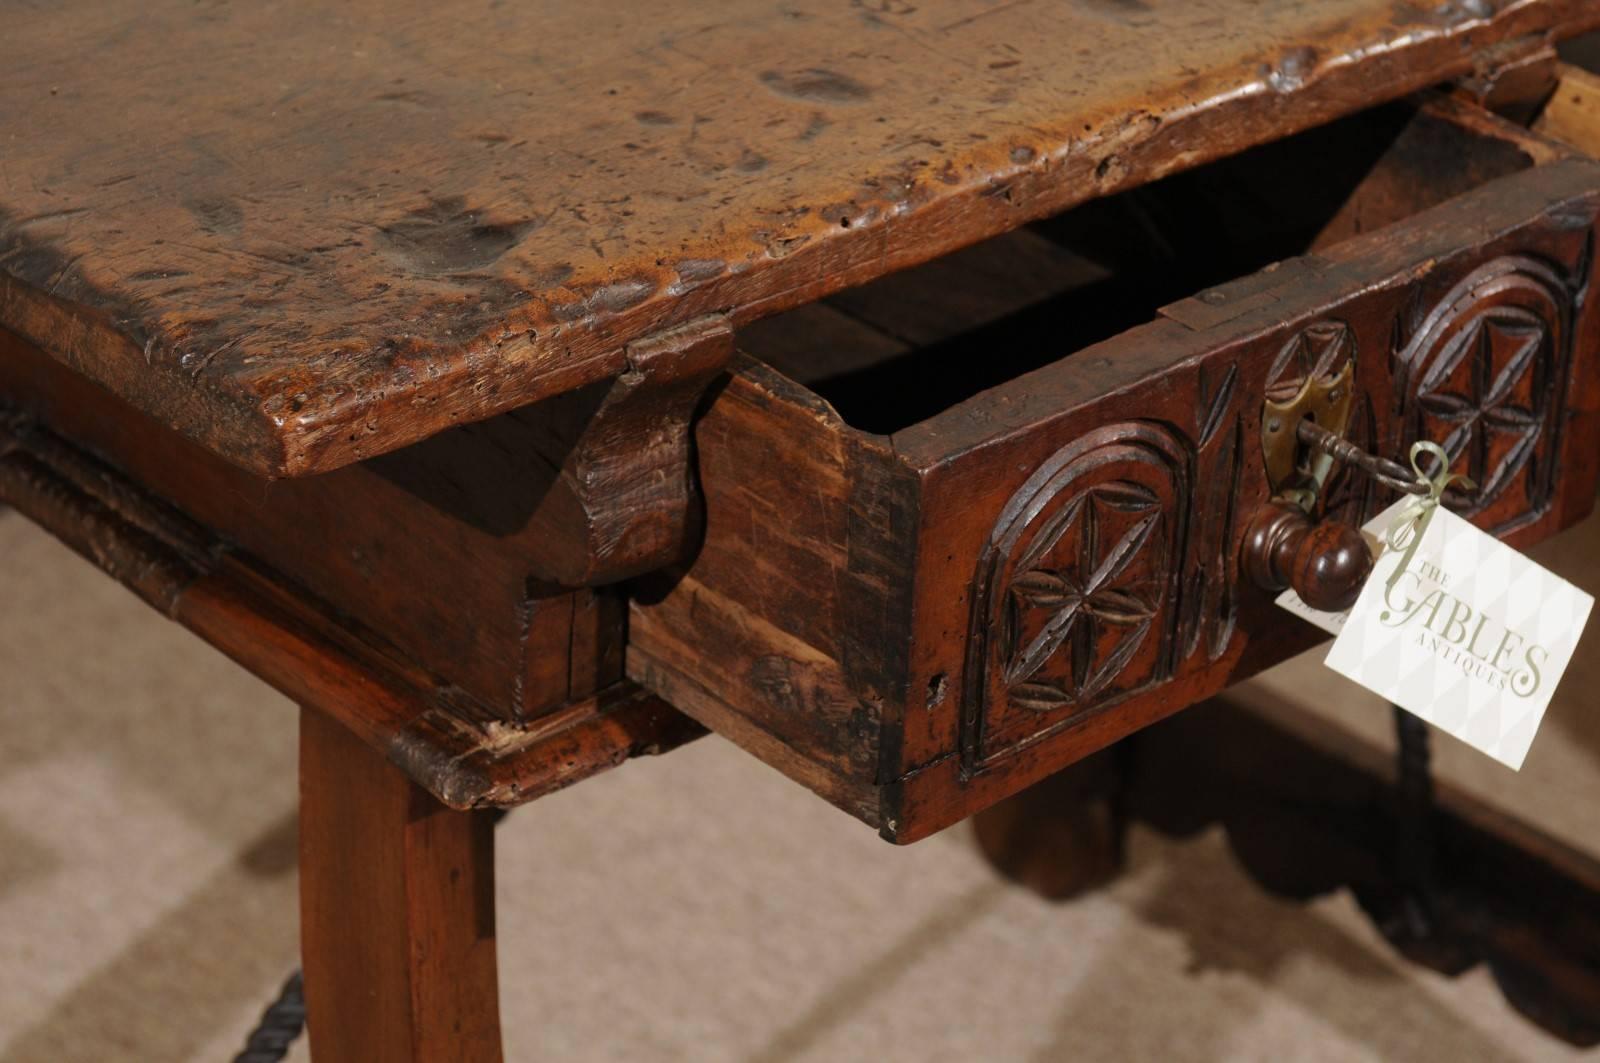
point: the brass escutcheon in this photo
(1327, 402)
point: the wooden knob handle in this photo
(1326, 564)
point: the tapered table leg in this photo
(396, 911)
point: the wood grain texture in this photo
(1514, 78)
(624, 501)
(584, 488)
(765, 589)
(397, 911)
(304, 235)
(434, 732)
(446, 548)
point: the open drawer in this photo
(1002, 526)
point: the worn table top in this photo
(305, 233)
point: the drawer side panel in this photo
(760, 637)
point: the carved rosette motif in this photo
(1076, 595)
(1484, 376)
(1317, 352)
(1084, 600)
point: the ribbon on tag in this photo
(1411, 523)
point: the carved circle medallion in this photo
(1075, 596)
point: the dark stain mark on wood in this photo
(815, 126)
(448, 237)
(816, 86)
(775, 677)
(1133, 12)
(405, 99)
(220, 216)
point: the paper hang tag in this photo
(1471, 636)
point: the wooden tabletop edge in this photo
(315, 413)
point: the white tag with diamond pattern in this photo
(1471, 636)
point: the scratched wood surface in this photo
(305, 234)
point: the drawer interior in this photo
(910, 345)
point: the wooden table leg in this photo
(396, 911)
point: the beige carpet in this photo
(696, 907)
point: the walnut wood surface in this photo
(435, 732)
(624, 502)
(916, 625)
(397, 911)
(306, 234)
(445, 548)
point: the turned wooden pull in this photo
(1325, 563)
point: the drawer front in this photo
(1114, 567)
(917, 625)
(1104, 499)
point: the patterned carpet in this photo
(696, 907)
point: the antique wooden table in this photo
(523, 388)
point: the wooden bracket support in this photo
(624, 501)
(593, 486)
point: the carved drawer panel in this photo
(1075, 601)
(1483, 376)
(917, 617)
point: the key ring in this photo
(1411, 523)
(1426, 488)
